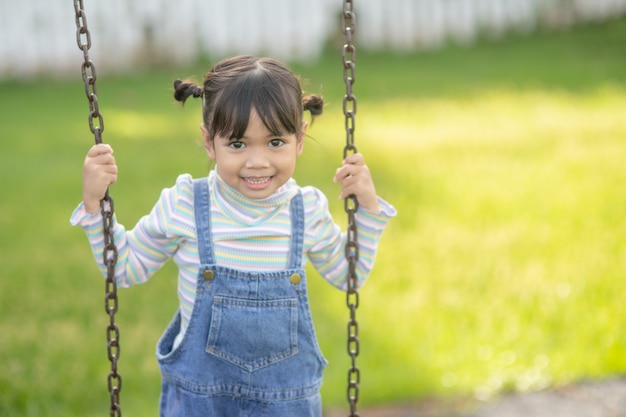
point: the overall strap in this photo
(202, 213)
(297, 231)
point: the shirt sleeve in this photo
(327, 249)
(144, 249)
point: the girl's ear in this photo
(209, 146)
(300, 144)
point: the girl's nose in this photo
(257, 158)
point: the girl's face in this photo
(257, 164)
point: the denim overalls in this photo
(250, 347)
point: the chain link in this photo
(348, 23)
(96, 125)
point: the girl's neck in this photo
(246, 210)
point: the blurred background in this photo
(35, 34)
(496, 127)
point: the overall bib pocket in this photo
(253, 333)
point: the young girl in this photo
(242, 342)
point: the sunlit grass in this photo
(504, 267)
(503, 271)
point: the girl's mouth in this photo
(257, 183)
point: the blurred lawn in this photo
(503, 271)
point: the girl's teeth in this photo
(257, 180)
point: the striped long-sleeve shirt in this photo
(248, 235)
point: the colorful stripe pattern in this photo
(247, 234)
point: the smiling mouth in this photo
(257, 182)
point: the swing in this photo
(96, 126)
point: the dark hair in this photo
(235, 86)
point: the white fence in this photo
(39, 36)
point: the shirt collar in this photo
(246, 210)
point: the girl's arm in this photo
(142, 250)
(327, 240)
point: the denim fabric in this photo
(250, 348)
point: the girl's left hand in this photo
(356, 179)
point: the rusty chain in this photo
(348, 23)
(96, 125)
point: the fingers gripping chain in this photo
(96, 125)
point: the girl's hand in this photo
(355, 179)
(99, 171)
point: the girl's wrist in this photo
(91, 207)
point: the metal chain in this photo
(348, 23)
(96, 125)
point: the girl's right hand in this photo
(99, 171)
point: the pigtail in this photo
(185, 89)
(314, 104)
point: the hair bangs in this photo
(274, 105)
(232, 113)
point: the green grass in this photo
(503, 271)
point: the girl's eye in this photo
(236, 144)
(274, 143)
